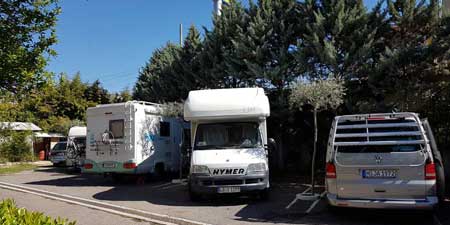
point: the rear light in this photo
(430, 171)
(330, 171)
(88, 166)
(129, 165)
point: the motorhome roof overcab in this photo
(132, 138)
(228, 138)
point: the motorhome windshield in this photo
(227, 135)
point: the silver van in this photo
(383, 161)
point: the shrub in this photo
(16, 146)
(10, 214)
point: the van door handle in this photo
(380, 190)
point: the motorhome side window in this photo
(227, 135)
(164, 129)
(116, 128)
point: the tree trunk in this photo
(314, 152)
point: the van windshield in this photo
(227, 135)
(60, 146)
(378, 148)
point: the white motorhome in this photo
(228, 141)
(132, 138)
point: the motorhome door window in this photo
(164, 129)
(116, 128)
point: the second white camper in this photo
(132, 138)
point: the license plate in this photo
(379, 173)
(229, 189)
(109, 165)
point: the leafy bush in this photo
(15, 146)
(10, 214)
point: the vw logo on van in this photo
(378, 159)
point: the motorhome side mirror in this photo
(271, 144)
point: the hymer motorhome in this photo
(228, 141)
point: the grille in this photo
(222, 182)
(253, 181)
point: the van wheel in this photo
(334, 209)
(440, 182)
(264, 194)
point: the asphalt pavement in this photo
(167, 198)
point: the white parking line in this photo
(103, 206)
(162, 185)
(171, 186)
(296, 199)
(315, 203)
(436, 220)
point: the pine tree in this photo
(409, 26)
(157, 81)
(337, 39)
(220, 64)
(187, 64)
(96, 93)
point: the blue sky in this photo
(111, 40)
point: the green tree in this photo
(220, 64)
(96, 93)
(321, 95)
(157, 79)
(27, 31)
(123, 96)
(337, 39)
(404, 61)
(187, 65)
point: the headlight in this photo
(256, 168)
(199, 169)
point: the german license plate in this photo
(379, 173)
(109, 165)
(229, 189)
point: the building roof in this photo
(19, 126)
(48, 135)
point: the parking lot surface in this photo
(165, 197)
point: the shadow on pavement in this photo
(323, 215)
(175, 195)
(253, 210)
(83, 180)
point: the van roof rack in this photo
(378, 129)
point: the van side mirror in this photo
(186, 149)
(271, 144)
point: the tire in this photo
(264, 195)
(117, 178)
(160, 171)
(334, 209)
(195, 197)
(440, 182)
